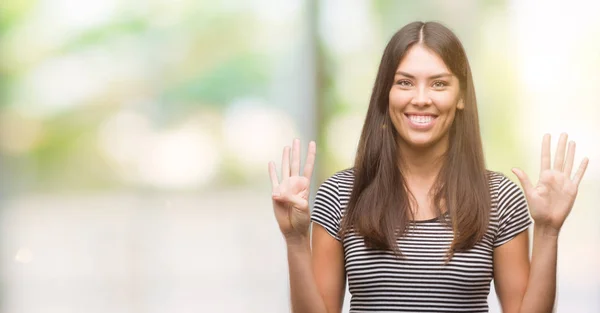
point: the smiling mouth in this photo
(422, 120)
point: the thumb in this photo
(291, 199)
(523, 179)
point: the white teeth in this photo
(420, 119)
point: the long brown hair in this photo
(379, 205)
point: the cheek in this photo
(398, 99)
(445, 102)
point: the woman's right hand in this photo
(290, 195)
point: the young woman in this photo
(419, 224)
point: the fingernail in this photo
(275, 195)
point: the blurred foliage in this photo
(241, 76)
(206, 59)
(14, 11)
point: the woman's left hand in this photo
(551, 200)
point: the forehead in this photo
(420, 60)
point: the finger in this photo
(273, 175)
(570, 158)
(295, 169)
(545, 153)
(291, 199)
(580, 171)
(559, 158)
(285, 163)
(310, 160)
(523, 179)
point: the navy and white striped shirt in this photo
(420, 282)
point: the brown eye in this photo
(439, 84)
(404, 83)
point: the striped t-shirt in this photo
(419, 281)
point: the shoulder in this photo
(330, 200)
(346, 176)
(341, 179)
(506, 194)
(336, 189)
(500, 184)
(510, 214)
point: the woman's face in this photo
(423, 98)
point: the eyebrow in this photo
(430, 77)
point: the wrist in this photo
(297, 241)
(546, 231)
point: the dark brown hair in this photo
(379, 205)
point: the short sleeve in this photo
(513, 212)
(326, 208)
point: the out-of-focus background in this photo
(135, 136)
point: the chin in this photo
(419, 142)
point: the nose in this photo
(421, 98)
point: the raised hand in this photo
(290, 195)
(551, 200)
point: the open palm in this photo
(290, 195)
(551, 199)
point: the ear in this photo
(461, 104)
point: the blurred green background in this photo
(135, 136)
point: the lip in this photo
(421, 114)
(420, 126)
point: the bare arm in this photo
(550, 202)
(541, 289)
(511, 272)
(521, 286)
(317, 280)
(328, 268)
